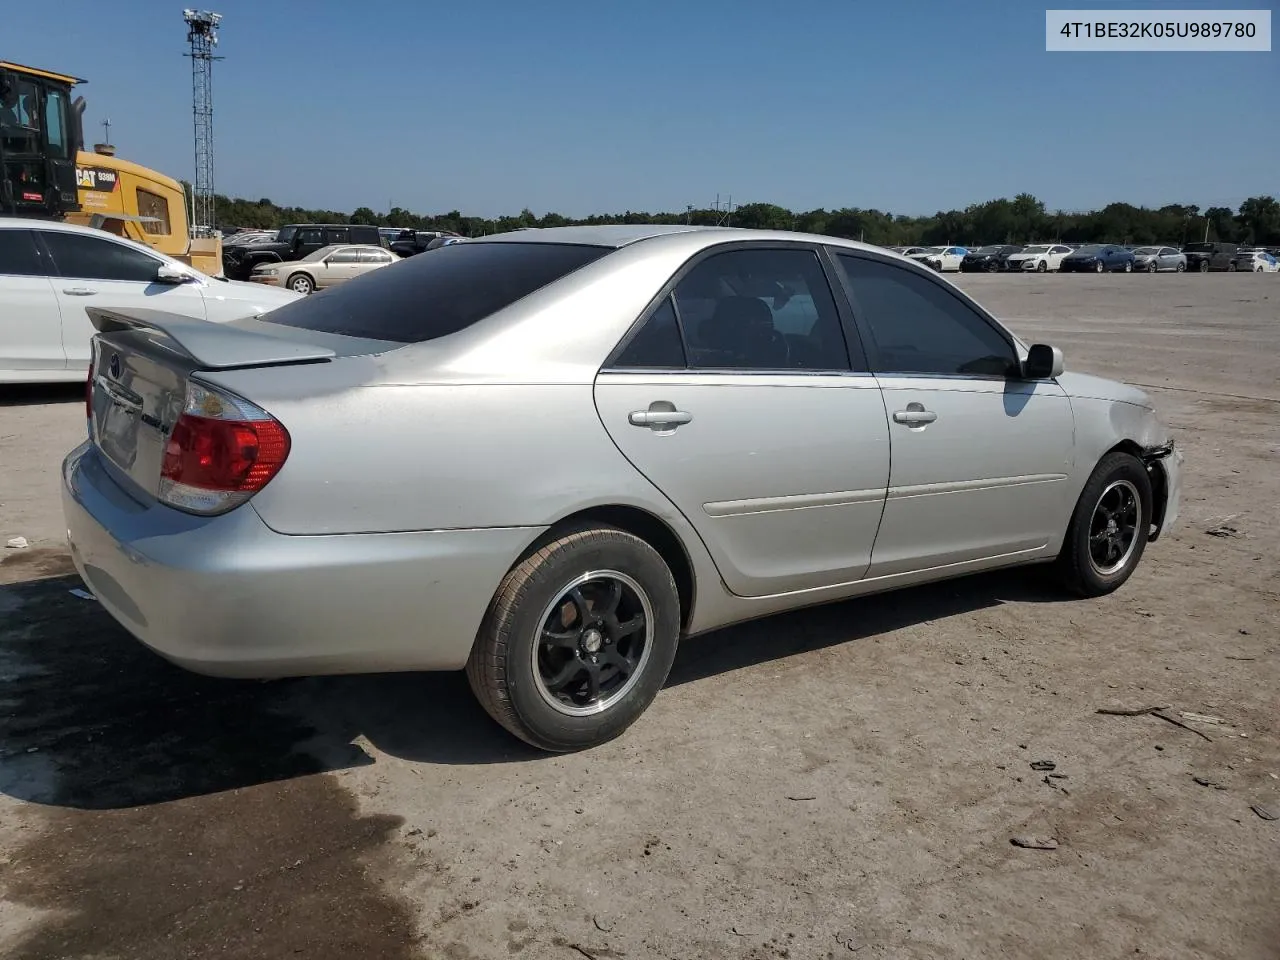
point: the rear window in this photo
(424, 298)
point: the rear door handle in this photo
(914, 418)
(78, 291)
(658, 419)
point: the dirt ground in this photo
(843, 781)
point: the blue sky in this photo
(489, 106)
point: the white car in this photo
(1039, 258)
(1255, 261)
(49, 273)
(942, 259)
(326, 267)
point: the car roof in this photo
(623, 234)
(31, 223)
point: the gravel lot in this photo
(839, 782)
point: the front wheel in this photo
(1128, 266)
(578, 640)
(301, 283)
(1204, 266)
(1258, 270)
(1042, 267)
(1098, 268)
(1151, 267)
(1108, 530)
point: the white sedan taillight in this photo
(222, 451)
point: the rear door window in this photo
(425, 298)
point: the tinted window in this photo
(310, 235)
(919, 326)
(761, 310)
(287, 234)
(657, 344)
(374, 256)
(89, 258)
(428, 297)
(18, 254)
(339, 235)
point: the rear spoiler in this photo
(214, 346)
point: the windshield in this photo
(1146, 251)
(428, 297)
(930, 250)
(286, 234)
(320, 254)
(988, 249)
(1198, 248)
(1089, 248)
(1041, 248)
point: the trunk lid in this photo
(142, 362)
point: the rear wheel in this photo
(1108, 530)
(300, 283)
(1231, 267)
(1204, 266)
(1182, 267)
(1257, 269)
(578, 640)
(1128, 266)
(1098, 267)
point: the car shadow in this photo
(91, 719)
(30, 394)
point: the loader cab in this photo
(39, 137)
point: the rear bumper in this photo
(228, 596)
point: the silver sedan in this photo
(1154, 259)
(548, 456)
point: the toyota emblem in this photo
(114, 366)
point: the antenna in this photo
(202, 35)
(106, 131)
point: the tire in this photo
(1151, 267)
(1182, 267)
(1042, 267)
(1258, 270)
(301, 283)
(1128, 266)
(1089, 566)
(1231, 268)
(1204, 266)
(512, 671)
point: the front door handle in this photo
(78, 291)
(914, 416)
(659, 416)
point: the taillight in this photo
(220, 452)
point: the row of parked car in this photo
(293, 252)
(1097, 258)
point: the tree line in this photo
(1023, 219)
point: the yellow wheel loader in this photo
(46, 173)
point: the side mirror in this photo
(1043, 362)
(168, 273)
